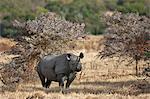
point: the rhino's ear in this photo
(81, 55)
(68, 57)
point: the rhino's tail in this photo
(38, 68)
(42, 78)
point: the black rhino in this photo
(59, 68)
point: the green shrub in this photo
(40, 10)
(87, 11)
(81, 11)
(21, 10)
(135, 7)
(147, 54)
(9, 32)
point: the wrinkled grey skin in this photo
(59, 68)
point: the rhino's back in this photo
(47, 62)
(52, 65)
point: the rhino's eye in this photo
(73, 64)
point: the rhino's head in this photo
(74, 62)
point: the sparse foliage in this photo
(127, 35)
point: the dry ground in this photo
(99, 79)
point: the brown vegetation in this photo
(99, 79)
(127, 35)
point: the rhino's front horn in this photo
(68, 57)
(81, 55)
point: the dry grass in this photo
(6, 58)
(6, 44)
(88, 43)
(86, 89)
(100, 79)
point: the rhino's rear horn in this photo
(81, 55)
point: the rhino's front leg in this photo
(61, 78)
(70, 79)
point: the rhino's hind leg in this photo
(42, 78)
(47, 84)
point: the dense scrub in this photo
(87, 11)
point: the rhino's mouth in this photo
(79, 67)
(78, 70)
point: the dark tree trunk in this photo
(136, 63)
(136, 68)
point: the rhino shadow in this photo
(112, 87)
